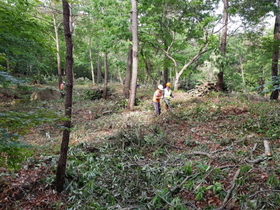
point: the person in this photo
(156, 99)
(167, 95)
(61, 87)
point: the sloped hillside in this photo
(204, 153)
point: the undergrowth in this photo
(204, 153)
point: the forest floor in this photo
(221, 136)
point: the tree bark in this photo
(275, 57)
(132, 95)
(105, 76)
(220, 79)
(165, 73)
(61, 167)
(91, 63)
(149, 69)
(223, 46)
(99, 74)
(127, 80)
(57, 50)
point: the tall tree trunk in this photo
(61, 167)
(275, 57)
(132, 95)
(165, 72)
(99, 74)
(242, 75)
(105, 76)
(57, 50)
(149, 69)
(91, 63)
(127, 80)
(120, 75)
(223, 46)
(176, 80)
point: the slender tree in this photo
(91, 62)
(61, 167)
(127, 81)
(56, 39)
(180, 32)
(223, 46)
(106, 73)
(99, 72)
(134, 18)
(253, 13)
(275, 56)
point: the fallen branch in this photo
(179, 186)
(258, 160)
(254, 148)
(229, 192)
(204, 178)
(107, 112)
(201, 153)
(221, 150)
(193, 153)
(263, 191)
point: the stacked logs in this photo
(202, 89)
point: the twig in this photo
(193, 153)
(165, 200)
(179, 186)
(258, 160)
(107, 112)
(221, 150)
(229, 192)
(201, 153)
(263, 191)
(254, 148)
(204, 178)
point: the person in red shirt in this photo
(156, 100)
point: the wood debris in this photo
(202, 89)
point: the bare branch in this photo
(229, 192)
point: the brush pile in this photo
(202, 89)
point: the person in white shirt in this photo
(167, 95)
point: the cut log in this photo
(267, 148)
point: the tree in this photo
(23, 38)
(181, 31)
(134, 18)
(106, 72)
(223, 46)
(254, 12)
(127, 80)
(56, 38)
(275, 56)
(61, 167)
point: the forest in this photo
(97, 143)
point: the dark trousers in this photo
(157, 108)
